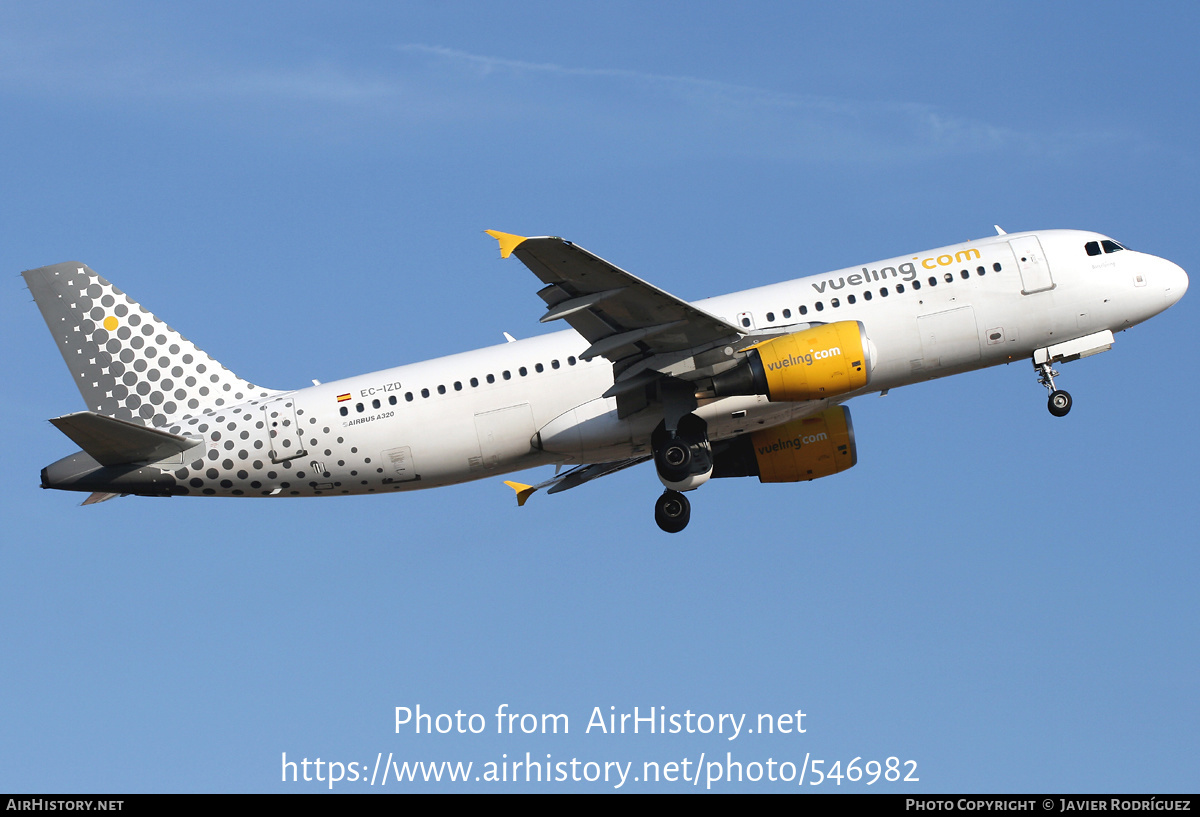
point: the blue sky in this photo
(301, 189)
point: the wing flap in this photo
(572, 305)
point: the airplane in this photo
(742, 385)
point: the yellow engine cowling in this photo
(822, 361)
(809, 448)
(819, 362)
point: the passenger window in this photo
(474, 382)
(458, 385)
(408, 396)
(996, 266)
(491, 378)
(523, 371)
(441, 389)
(554, 364)
(770, 317)
(424, 392)
(867, 295)
(900, 287)
(850, 299)
(803, 310)
(506, 374)
(933, 280)
(1092, 247)
(835, 303)
(820, 306)
(539, 368)
(345, 411)
(392, 400)
(915, 285)
(359, 407)
(374, 404)
(571, 360)
(980, 271)
(787, 313)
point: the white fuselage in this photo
(532, 402)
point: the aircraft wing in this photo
(625, 319)
(572, 478)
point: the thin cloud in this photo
(68, 70)
(425, 89)
(747, 119)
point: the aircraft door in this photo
(1035, 269)
(283, 432)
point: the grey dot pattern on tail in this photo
(126, 362)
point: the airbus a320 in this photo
(752, 384)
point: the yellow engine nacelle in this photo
(805, 449)
(823, 361)
(810, 448)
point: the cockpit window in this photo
(1094, 247)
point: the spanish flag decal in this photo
(342, 398)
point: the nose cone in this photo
(1176, 281)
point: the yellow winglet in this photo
(508, 241)
(523, 491)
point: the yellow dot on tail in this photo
(110, 323)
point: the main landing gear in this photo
(684, 462)
(672, 511)
(1060, 401)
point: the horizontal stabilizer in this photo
(100, 496)
(110, 441)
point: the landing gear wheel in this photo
(677, 456)
(684, 453)
(672, 511)
(1059, 403)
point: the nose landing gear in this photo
(1060, 401)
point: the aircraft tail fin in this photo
(111, 441)
(126, 362)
